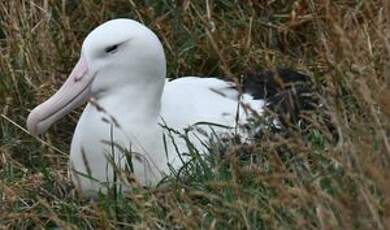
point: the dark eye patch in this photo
(111, 49)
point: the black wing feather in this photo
(286, 92)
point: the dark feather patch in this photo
(286, 92)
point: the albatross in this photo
(121, 73)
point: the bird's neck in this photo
(133, 103)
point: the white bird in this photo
(122, 74)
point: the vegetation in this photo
(333, 173)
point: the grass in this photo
(332, 174)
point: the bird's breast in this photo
(103, 142)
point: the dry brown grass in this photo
(330, 177)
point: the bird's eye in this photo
(111, 49)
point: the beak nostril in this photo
(80, 72)
(78, 78)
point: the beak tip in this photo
(32, 125)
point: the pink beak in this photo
(73, 93)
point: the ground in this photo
(331, 173)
